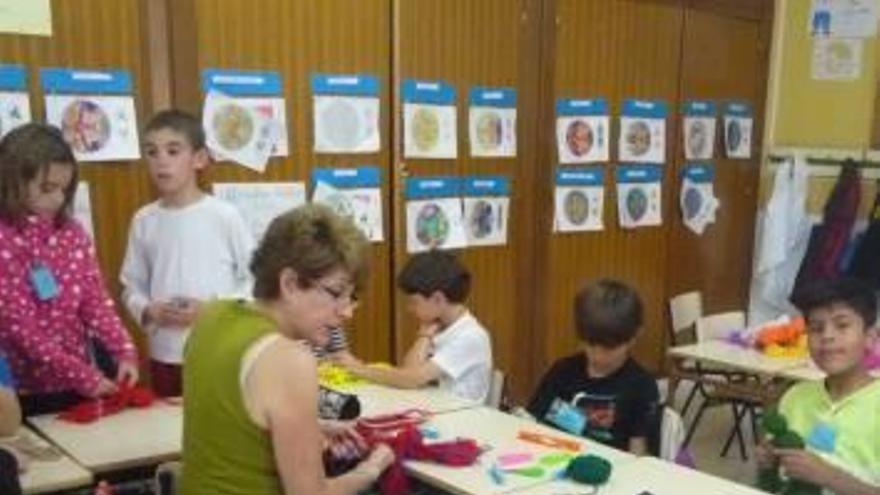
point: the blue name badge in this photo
(567, 417)
(823, 438)
(43, 282)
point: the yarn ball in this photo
(589, 470)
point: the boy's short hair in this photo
(848, 291)
(181, 122)
(25, 153)
(313, 241)
(607, 313)
(435, 271)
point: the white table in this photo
(379, 399)
(135, 437)
(648, 474)
(498, 432)
(737, 357)
(46, 475)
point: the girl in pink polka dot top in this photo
(53, 301)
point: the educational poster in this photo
(354, 193)
(843, 18)
(492, 122)
(29, 17)
(260, 202)
(15, 104)
(697, 200)
(738, 124)
(582, 130)
(429, 120)
(95, 112)
(260, 92)
(486, 210)
(639, 196)
(346, 113)
(699, 130)
(434, 216)
(643, 131)
(244, 116)
(82, 208)
(579, 200)
(836, 59)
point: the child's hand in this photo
(343, 440)
(428, 330)
(128, 373)
(805, 466)
(381, 457)
(105, 387)
(765, 455)
(345, 359)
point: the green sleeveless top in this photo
(224, 452)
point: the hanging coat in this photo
(829, 241)
(866, 261)
(782, 232)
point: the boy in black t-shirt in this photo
(601, 392)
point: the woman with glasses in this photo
(250, 378)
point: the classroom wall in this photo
(841, 116)
(808, 113)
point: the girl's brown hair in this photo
(26, 153)
(312, 241)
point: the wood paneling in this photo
(96, 34)
(297, 39)
(467, 44)
(615, 50)
(718, 263)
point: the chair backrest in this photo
(168, 478)
(684, 310)
(496, 389)
(672, 434)
(718, 326)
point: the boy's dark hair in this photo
(433, 271)
(181, 122)
(26, 153)
(847, 291)
(607, 313)
(312, 241)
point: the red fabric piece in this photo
(400, 433)
(93, 409)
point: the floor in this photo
(709, 438)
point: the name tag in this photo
(44, 283)
(567, 417)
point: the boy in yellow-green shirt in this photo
(838, 417)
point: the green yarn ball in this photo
(774, 423)
(589, 470)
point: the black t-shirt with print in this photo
(616, 407)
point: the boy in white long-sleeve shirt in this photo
(185, 248)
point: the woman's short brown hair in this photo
(25, 153)
(312, 241)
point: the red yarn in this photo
(91, 410)
(399, 432)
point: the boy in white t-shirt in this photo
(452, 347)
(183, 249)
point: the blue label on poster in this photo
(486, 186)
(432, 187)
(242, 83)
(57, 80)
(366, 176)
(580, 176)
(493, 97)
(345, 84)
(431, 92)
(573, 107)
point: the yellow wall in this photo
(816, 114)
